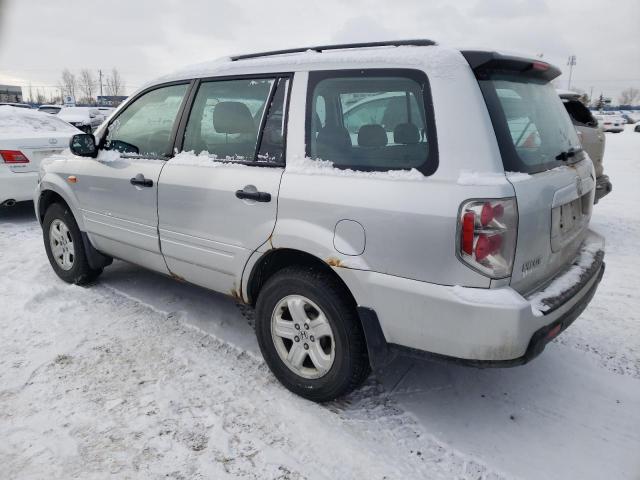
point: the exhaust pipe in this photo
(8, 203)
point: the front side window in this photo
(371, 120)
(238, 120)
(144, 127)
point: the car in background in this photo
(86, 119)
(591, 136)
(610, 122)
(17, 105)
(26, 138)
(106, 111)
(52, 109)
(629, 119)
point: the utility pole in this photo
(591, 96)
(571, 62)
(100, 76)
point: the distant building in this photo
(10, 93)
(110, 100)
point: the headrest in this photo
(232, 117)
(406, 133)
(336, 137)
(372, 135)
(316, 124)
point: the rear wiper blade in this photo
(567, 154)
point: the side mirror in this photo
(92, 115)
(84, 145)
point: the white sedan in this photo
(26, 138)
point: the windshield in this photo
(533, 128)
(53, 110)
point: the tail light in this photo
(13, 156)
(487, 235)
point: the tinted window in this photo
(226, 118)
(533, 128)
(580, 114)
(144, 127)
(369, 120)
(53, 110)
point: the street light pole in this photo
(571, 62)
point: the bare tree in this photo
(69, 83)
(114, 83)
(40, 98)
(629, 96)
(87, 84)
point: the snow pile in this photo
(469, 177)
(569, 278)
(206, 159)
(108, 156)
(517, 176)
(14, 120)
(308, 166)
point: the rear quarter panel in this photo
(410, 225)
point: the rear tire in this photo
(64, 246)
(310, 334)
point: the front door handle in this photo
(140, 181)
(252, 194)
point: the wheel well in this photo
(47, 198)
(276, 260)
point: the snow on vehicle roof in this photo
(438, 60)
(15, 120)
(567, 93)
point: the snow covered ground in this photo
(140, 376)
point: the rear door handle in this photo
(253, 195)
(140, 181)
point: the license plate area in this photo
(567, 221)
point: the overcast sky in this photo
(148, 38)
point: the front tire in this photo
(64, 246)
(310, 334)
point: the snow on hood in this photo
(17, 122)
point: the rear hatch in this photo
(31, 134)
(536, 137)
(36, 146)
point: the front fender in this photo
(53, 181)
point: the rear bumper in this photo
(480, 327)
(16, 186)
(603, 187)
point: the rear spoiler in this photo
(484, 63)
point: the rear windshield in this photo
(53, 110)
(533, 128)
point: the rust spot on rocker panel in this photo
(236, 295)
(177, 277)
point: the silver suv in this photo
(334, 189)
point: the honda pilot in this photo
(334, 190)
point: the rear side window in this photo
(144, 127)
(239, 120)
(371, 120)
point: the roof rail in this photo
(341, 46)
